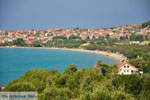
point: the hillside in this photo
(84, 84)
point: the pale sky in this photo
(45, 14)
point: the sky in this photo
(47, 14)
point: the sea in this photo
(15, 62)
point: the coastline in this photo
(115, 56)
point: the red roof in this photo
(118, 43)
(129, 65)
(28, 42)
(1, 39)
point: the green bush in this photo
(25, 86)
(56, 94)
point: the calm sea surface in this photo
(16, 62)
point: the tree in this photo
(107, 36)
(50, 44)
(62, 80)
(123, 38)
(98, 66)
(19, 42)
(112, 41)
(54, 71)
(85, 96)
(36, 77)
(77, 28)
(133, 84)
(73, 83)
(91, 47)
(87, 86)
(139, 38)
(38, 34)
(21, 86)
(145, 92)
(100, 94)
(104, 68)
(71, 69)
(118, 81)
(140, 63)
(132, 37)
(73, 37)
(37, 44)
(59, 37)
(57, 94)
(88, 38)
(146, 24)
(126, 37)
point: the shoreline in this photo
(115, 56)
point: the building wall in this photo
(127, 69)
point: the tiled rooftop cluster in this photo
(30, 36)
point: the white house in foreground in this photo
(127, 69)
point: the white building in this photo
(127, 69)
(134, 42)
(145, 43)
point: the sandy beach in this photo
(115, 56)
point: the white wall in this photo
(126, 70)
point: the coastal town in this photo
(75, 50)
(121, 33)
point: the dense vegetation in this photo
(83, 84)
(138, 55)
(146, 24)
(64, 43)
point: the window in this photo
(127, 70)
(127, 66)
(132, 71)
(124, 70)
(124, 66)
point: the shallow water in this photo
(15, 62)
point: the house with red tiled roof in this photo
(1, 40)
(127, 69)
(118, 43)
(28, 42)
(49, 30)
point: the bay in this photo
(15, 62)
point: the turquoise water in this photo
(16, 62)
